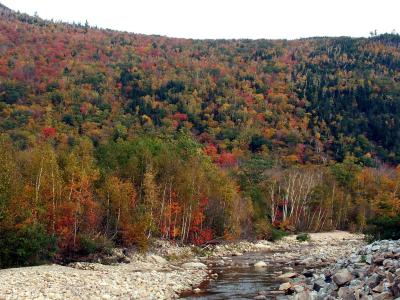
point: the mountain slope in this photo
(304, 100)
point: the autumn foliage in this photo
(114, 138)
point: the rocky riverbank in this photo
(166, 270)
(150, 278)
(372, 272)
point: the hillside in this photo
(304, 100)
(127, 136)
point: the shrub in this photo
(28, 245)
(263, 229)
(302, 237)
(277, 234)
(100, 244)
(383, 228)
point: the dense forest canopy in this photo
(116, 137)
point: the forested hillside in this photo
(113, 137)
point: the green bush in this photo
(90, 245)
(382, 228)
(29, 245)
(277, 234)
(302, 237)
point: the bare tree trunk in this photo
(53, 223)
(162, 206)
(273, 212)
(183, 225)
(37, 187)
(170, 207)
(76, 216)
(108, 212)
(117, 222)
(188, 224)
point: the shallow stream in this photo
(239, 279)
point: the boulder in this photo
(342, 277)
(395, 288)
(318, 285)
(383, 296)
(373, 280)
(378, 259)
(306, 295)
(378, 288)
(375, 247)
(308, 273)
(298, 288)
(285, 286)
(346, 293)
(260, 264)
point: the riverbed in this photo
(226, 272)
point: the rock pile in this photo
(372, 272)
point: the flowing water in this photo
(241, 280)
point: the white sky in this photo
(225, 18)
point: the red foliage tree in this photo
(227, 159)
(49, 132)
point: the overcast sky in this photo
(225, 18)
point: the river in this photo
(239, 279)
